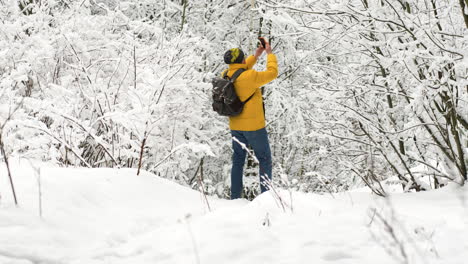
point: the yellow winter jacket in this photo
(249, 82)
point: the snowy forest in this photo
(367, 90)
(110, 151)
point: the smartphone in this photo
(262, 41)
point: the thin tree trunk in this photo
(463, 6)
(202, 186)
(143, 143)
(2, 148)
(183, 14)
(134, 68)
(456, 136)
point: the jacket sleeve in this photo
(264, 77)
(250, 61)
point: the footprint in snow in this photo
(335, 255)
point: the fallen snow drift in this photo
(114, 216)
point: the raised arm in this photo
(250, 61)
(264, 77)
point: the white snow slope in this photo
(113, 216)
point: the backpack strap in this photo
(235, 75)
(250, 97)
(224, 74)
(233, 79)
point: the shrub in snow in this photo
(366, 91)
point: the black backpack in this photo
(225, 100)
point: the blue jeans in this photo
(258, 140)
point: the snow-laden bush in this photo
(366, 90)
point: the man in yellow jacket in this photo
(248, 128)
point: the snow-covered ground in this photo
(113, 216)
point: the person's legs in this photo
(238, 160)
(258, 140)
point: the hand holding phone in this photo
(262, 42)
(265, 45)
